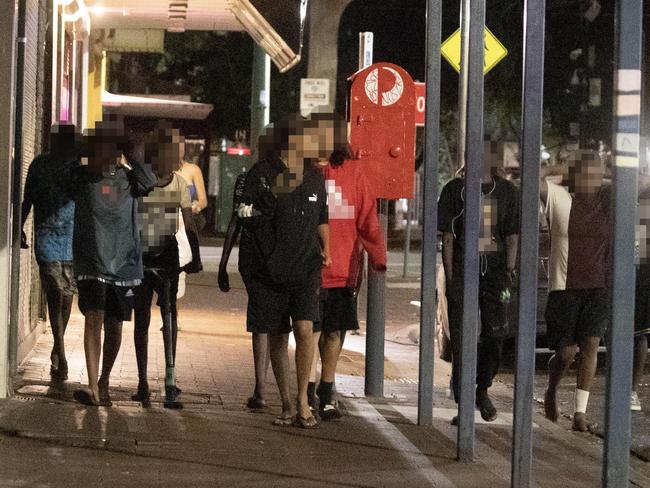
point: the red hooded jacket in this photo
(353, 225)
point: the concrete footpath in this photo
(48, 440)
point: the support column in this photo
(260, 94)
(474, 148)
(8, 18)
(627, 118)
(532, 115)
(430, 224)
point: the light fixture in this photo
(97, 10)
(268, 39)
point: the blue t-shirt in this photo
(45, 189)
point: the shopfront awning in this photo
(280, 34)
(154, 107)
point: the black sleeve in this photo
(323, 217)
(446, 212)
(511, 222)
(258, 193)
(238, 193)
(141, 178)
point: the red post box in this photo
(381, 108)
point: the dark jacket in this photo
(106, 238)
(280, 245)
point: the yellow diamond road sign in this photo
(494, 50)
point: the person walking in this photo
(106, 248)
(577, 311)
(354, 226)
(45, 190)
(159, 224)
(498, 256)
(284, 245)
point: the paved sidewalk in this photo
(46, 439)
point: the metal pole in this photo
(260, 94)
(430, 217)
(473, 164)
(532, 111)
(627, 111)
(463, 80)
(376, 321)
(407, 239)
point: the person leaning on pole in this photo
(45, 190)
(106, 248)
(577, 311)
(498, 243)
(284, 246)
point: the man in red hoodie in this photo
(353, 227)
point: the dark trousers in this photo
(492, 318)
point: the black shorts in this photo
(642, 301)
(338, 310)
(272, 307)
(154, 282)
(573, 315)
(58, 276)
(116, 301)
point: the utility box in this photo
(230, 167)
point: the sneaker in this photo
(485, 406)
(635, 403)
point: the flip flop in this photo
(85, 397)
(305, 422)
(255, 403)
(282, 421)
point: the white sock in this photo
(581, 400)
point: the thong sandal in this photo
(282, 421)
(255, 403)
(305, 422)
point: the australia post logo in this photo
(384, 86)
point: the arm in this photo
(231, 236)
(193, 238)
(512, 247)
(545, 172)
(25, 209)
(324, 235)
(199, 184)
(372, 238)
(140, 176)
(448, 254)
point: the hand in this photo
(23, 240)
(124, 163)
(245, 211)
(327, 259)
(223, 280)
(511, 277)
(193, 267)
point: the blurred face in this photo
(491, 150)
(586, 174)
(164, 151)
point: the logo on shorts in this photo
(129, 293)
(313, 198)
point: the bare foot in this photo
(102, 394)
(550, 406)
(580, 423)
(303, 410)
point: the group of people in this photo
(305, 212)
(105, 225)
(108, 219)
(575, 200)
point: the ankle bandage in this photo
(581, 400)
